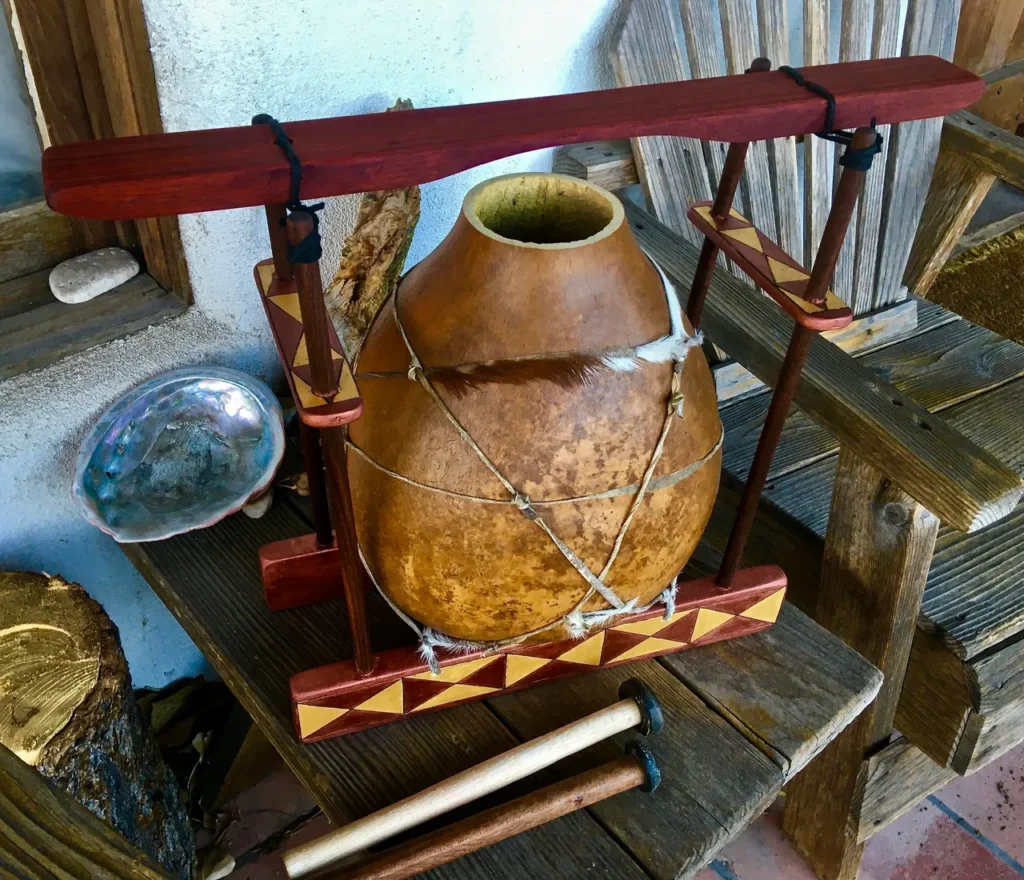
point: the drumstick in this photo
(638, 769)
(638, 708)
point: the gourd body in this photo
(534, 265)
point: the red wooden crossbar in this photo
(211, 170)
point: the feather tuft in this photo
(566, 371)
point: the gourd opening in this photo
(542, 209)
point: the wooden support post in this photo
(878, 549)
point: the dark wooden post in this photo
(878, 550)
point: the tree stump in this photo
(67, 709)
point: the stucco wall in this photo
(217, 63)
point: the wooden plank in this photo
(216, 169)
(877, 553)
(989, 147)
(32, 237)
(937, 370)
(817, 153)
(986, 737)
(714, 782)
(607, 163)
(897, 778)
(956, 192)
(866, 333)
(935, 702)
(790, 689)
(47, 333)
(774, 37)
(998, 678)
(913, 147)
(964, 485)
(854, 45)
(740, 43)
(210, 581)
(984, 37)
(25, 293)
(671, 170)
(45, 833)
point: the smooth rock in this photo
(82, 278)
(258, 505)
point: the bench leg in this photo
(878, 550)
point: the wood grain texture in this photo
(46, 834)
(986, 145)
(963, 484)
(895, 781)
(773, 34)
(714, 781)
(224, 168)
(790, 690)
(739, 39)
(55, 330)
(930, 28)
(863, 334)
(987, 737)
(956, 192)
(997, 678)
(817, 156)
(32, 237)
(607, 163)
(877, 553)
(210, 580)
(985, 35)
(671, 170)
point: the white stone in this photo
(258, 505)
(82, 278)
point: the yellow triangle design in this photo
(266, 276)
(588, 653)
(679, 615)
(306, 396)
(644, 627)
(767, 609)
(783, 272)
(517, 667)
(454, 694)
(748, 236)
(346, 384)
(648, 646)
(301, 358)
(290, 303)
(707, 620)
(312, 718)
(457, 671)
(705, 212)
(388, 700)
(738, 215)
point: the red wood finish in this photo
(299, 571)
(281, 303)
(211, 170)
(335, 700)
(773, 270)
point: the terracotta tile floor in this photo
(971, 830)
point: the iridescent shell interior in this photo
(179, 452)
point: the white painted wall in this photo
(219, 62)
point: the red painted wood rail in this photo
(184, 172)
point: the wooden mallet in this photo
(637, 769)
(638, 708)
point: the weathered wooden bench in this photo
(742, 716)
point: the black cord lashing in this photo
(858, 160)
(309, 250)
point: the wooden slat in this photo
(32, 237)
(210, 581)
(774, 38)
(40, 336)
(223, 168)
(877, 553)
(898, 777)
(671, 170)
(27, 292)
(989, 147)
(984, 36)
(714, 782)
(863, 334)
(45, 833)
(790, 689)
(964, 485)
(817, 153)
(740, 42)
(607, 163)
(986, 737)
(998, 679)
(930, 28)
(937, 369)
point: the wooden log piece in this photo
(462, 788)
(67, 709)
